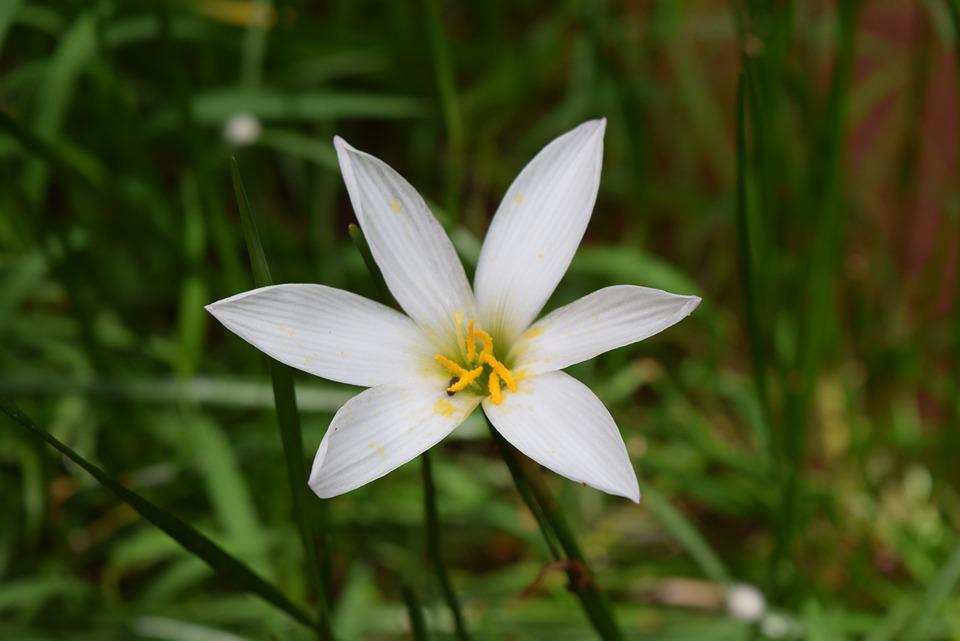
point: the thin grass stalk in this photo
(288, 419)
(582, 581)
(431, 514)
(819, 286)
(952, 428)
(192, 540)
(418, 625)
(450, 106)
(746, 266)
(435, 548)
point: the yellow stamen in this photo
(465, 380)
(471, 343)
(487, 341)
(450, 365)
(495, 395)
(499, 375)
(499, 369)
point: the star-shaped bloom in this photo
(457, 347)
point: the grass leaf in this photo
(222, 563)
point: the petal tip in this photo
(692, 304)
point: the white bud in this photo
(242, 129)
(745, 602)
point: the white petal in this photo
(382, 428)
(606, 319)
(537, 229)
(327, 332)
(558, 422)
(417, 259)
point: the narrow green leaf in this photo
(57, 154)
(431, 519)
(745, 236)
(222, 563)
(360, 242)
(288, 417)
(934, 597)
(450, 107)
(418, 625)
(56, 91)
(688, 536)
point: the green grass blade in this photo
(435, 547)
(747, 268)
(222, 563)
(688, 535)
(61, 156)
(594, 603)
(418, 625)
(934, 597)
(450, 107)
(288, 417)
(360, 242)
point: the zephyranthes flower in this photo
(458, 347)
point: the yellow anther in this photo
(499, 370)
(465, 380)
(495, 395)
(471, 343)
(487, 341)
(450, 365)
(499, 374)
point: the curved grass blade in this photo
(688, 535)
(936, 593)
(221, 562)
(418, 625)
(288, 419)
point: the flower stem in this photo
(553, 524)
(418, 626)
(431, 515)
(435, 548)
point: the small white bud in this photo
(242, 129)
(745, 602)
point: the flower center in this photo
(476, 364)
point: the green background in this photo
(800, 432)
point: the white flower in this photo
(429, 369)
(242, 129)
(745, 602)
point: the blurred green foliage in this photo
(800, 432)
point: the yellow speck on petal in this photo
(518, 198)
(539, 255)
(286, 330)
(444, 408)
(394, 205)
(533, 332)
(377, 448)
